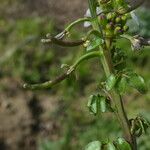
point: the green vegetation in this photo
(25, 58)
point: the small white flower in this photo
(136, 43)
(134, 23)
(88, 14)
(135, 18)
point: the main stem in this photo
(108, 68)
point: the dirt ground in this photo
(25, 117)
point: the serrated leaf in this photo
(95, 145)
(122, 144)
(110, 82)
(94, 43)
(98, 103)
(121, 85)
(143, 124)
(138, 83)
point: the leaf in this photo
(138, 83)
(110, 146)
(95, 145)
(121, 85)
(143, 124)
(98, 103)
(103, 104)
(64, 66)
(94, 43)
(122, 144)
(92, 104)
(110, 82)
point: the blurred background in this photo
(57, 119)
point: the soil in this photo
(25, 117)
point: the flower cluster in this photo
(113, 24)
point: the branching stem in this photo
(51, 83)
(108, 68)
(69, 27)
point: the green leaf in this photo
(138, 83)
(95, 145)
(121, 85)
(122, 144)
(94, 43)
(110, 82)
(143, 124)
(92, 104)
(103, 104)
(110, 146)
(98, 103)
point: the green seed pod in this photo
(125, 28)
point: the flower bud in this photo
(124, 18)
(86, 44)
(108, 33)
(118, 20)
(125, 28)
(109, 26)
(111, 16)
(118, 30)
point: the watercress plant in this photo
(107, 22)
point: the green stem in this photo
(51, 83)
(63, 43)
(108, 68)
(70, 26)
